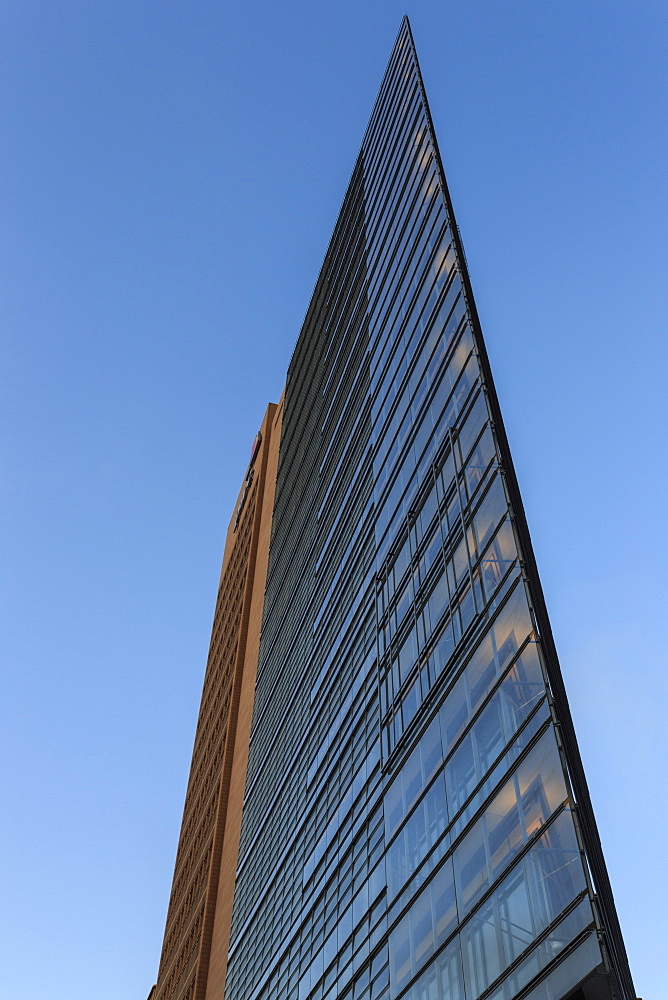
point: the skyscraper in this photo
(386, 798)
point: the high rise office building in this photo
(386, 799)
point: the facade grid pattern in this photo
(416, 823)
(410, 827)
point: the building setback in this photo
(386, 798)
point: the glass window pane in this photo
(413, 777)
(574, 968)
(504, 829)
(428, 924)
(444, 904)
(554, 868)
(493, 508)
(471, 870)
(400, 956)
(438, 600)
(473, 424)
(480, 952)
(522, 687)
(461, 775)
(482, 455)
(540, 782)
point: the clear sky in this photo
(171, 172)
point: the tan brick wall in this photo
(198, 923)
(223, 920)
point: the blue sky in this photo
(171, 173)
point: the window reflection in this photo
(542, 955)
(413, 778)
(427, 925)
(523, 905)
(498, 558)
(421, 832)
(489, 661)
(515, 814)
(503, 640)
(442, 980)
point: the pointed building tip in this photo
(404, 29)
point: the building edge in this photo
(194, 955)
(244, 692)
(613, 935)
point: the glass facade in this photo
(415, 824)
